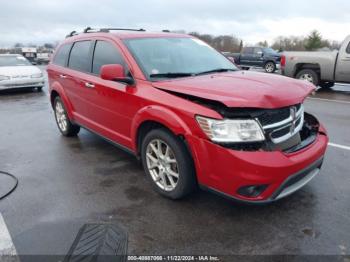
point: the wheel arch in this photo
(156, 117)
(313, 66)
(269, 60)
(57, 90)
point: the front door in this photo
(109, 102)
(343, 65)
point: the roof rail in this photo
(71, 34)
(104, 30)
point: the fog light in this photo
(251, 191)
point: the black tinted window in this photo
(62, 55)
(257, 50)
(248, 50)
(105, 53)
(80, 56)
(348, 49)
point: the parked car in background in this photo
(17, 72)
(43, 58)
(30, 53)
(230, 57)
(320, 68)
(188, 113)
(264, 57)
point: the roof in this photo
(126, 34)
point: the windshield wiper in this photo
(171, 75)
(217, 70)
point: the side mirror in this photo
(115, 72)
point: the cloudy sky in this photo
(39, 21)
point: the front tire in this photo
(270, 67)
(168, 164)
(309, 75)
(66, 127)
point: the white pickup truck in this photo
(321, 68)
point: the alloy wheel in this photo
(162, 165)
(61, 116)
(269, 67)
(307, 77)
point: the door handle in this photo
(89, 85)
(63, 76)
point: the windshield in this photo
(13, 61)
(176, 57)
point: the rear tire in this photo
(270, 67)
(309, 75)
(66, 127)
(172, 174)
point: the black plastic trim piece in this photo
(124, 148)
(298, 176)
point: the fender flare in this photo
(61, 92)
(159, 114)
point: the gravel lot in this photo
(67, 182)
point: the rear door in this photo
(79, 65)
(343, 64)
(246, 56)
(60, 61)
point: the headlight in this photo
(229, 130)
(38, 75)
(4, 78)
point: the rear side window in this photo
(105, 53)
(61, 57)
(80, 57)
(248, 50)
(348, 49)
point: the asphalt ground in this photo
(67, 182)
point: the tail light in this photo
(283, 61)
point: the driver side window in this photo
(106, 53)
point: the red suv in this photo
(188, 113)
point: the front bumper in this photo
(22, 83)
(225, 171)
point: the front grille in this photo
(269, 117)
(283, 131)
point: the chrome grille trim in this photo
(288, 122)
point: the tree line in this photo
(229, 43)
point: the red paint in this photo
(116, 111)
(112, 72)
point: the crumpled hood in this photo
(242, 89)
